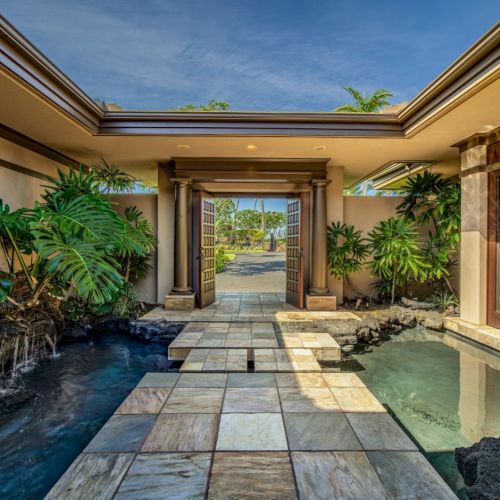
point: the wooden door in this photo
(295, 252)
(207, 250)
(494, 249)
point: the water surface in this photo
(77, 392)
(443, 390)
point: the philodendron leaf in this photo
(6, 286)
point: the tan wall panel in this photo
(146, 288)
(364, 212)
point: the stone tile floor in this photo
(250, 435)
(249, 307)
(216, 360)
(221, 336)
(285, 360)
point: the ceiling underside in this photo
(27, 113)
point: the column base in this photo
(321, 302)
(177, 302)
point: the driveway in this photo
(253, 272)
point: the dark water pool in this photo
(445, 391)
(77, 392)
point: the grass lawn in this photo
(228, 257)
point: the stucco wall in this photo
(146, 288)
(21, 189)
(364, 212)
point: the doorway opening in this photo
(250, 239)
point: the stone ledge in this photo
(486, 335)
(179, 302)
(321, 302)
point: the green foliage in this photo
(431, 200)
(248, 219)
(370, 103)
(212, 105)
(79, 241)
(397, 256)
(6, 286)
(113, 180)
(274, 222)
(347, 250)
(220, 260)
(444, 300)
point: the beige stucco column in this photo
(182, 285)
(473, 245)
(319, 281)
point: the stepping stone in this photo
(324, 347)
(285, 360)
(216, 360)
(144, 401)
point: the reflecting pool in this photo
(443, 389)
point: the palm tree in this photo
(370, 103)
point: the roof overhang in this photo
(475, 69)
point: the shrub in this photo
(397, 256)
(220, 260)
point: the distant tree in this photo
(248, 219)
(274, 222)
(212, 105)
(370, 103)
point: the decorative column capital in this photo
(182, 181)
(320, 183)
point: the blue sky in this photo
(282, 55)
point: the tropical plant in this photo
(396, 253)
(220, 259)
(444, 300)
(347, 251)
(212, 105)
(370, 103)
(72, 239)
(430, 200)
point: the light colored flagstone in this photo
(252, 475)
(92, 475)
(144, 400)
(343, 475)
(176, 476)
(409, 475)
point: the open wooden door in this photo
(206, 250)
(494, 249)
(295, 252)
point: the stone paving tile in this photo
(166, 475)
(144, 400)
(341, 474)
(343, 380)
(356, 399)
(215, 380)
(121, 433)
(93, 475)
(251, 380)
(251, 475)
(320, 431)
(307, 399)
(182, 432)
(158, 380)
(409, 475)
(379, 431)
(194, 400)
(251, 431)
(251, 400)
(300, 380)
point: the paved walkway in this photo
(236, 435)
(253, 272)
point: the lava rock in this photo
(10, 399)
(156, 331)
(14, 328)
(43, 327)
(112, 324)
(480, 467)
(430, 319)
(401, 315)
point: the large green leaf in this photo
(93, 274)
